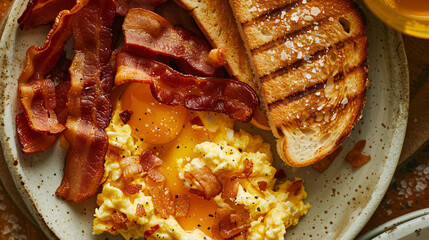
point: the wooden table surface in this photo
(408, 192)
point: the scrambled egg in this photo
(272, 210)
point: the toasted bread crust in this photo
(216, 21)
(310, 56)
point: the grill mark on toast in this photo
(278, 8)
(314, 57)
(355, 118)
(290, 36)
(274, 13)
(312, 89)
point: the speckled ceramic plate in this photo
(343, 198)
(411, 226)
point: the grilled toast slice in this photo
(310, 58)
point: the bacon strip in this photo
(88, 103)
(148, 34)
(31, 141)
(61, 101)
(40, 12)
(36, 103)
(168, 86)
(123, 6)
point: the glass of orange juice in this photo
(408, 16)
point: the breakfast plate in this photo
(342, 198)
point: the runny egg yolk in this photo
(168, 132)
(201, 211)
(151, 120)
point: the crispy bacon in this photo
(162, 198)
(262, 185)
(168, 86)
(88, 103)
(126, 116)
(123, 6)
(229, 189)
(182, 203)
(148, 34)
(148, 160)
(40, 12)
(36, 102)
(355, 157)
(208, 181)
(140, 212)
(280, 174)
(132, 189)
(155, 176)
(130, 166)
(295, 187)
(230, 224)
(61, 101)
(119, 217)
(150, 231)
(31, 141)
(248, 169)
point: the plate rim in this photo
(381, 186)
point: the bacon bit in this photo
(114, 153)
(230, 189)
(130, 166)
(208, 181)
(216, 57)
(148, 160)
(140, 212)
(155, 176)
(295, 187)
(148, 34)
(197, 192)
(323, 164)
(248, 169)
(123, 6)
(196, 121)
(355, 156)
(31, 141)
(162, 198)
(280, 174)
(230, 224)
(119, 217)
(168, 86)
(61, 101)
(132, 189)
(182, 205)
(40, 12)
(88, 103)
(126, 116)
(262, 185)
(150, 231)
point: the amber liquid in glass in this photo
(417, 8)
